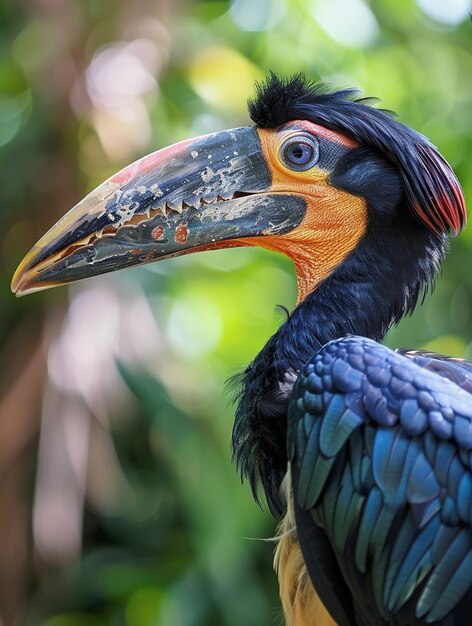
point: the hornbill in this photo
(363, 454)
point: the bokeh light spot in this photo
(119, 72)
(223, 77)
(451, 345)
(144, 607)
(450, 12)
(11, 114)
(119, 81)
(194, 326)
(349, 22)
(257, 16)
(36, 45)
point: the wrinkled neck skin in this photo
(373, 288)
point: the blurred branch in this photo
(19, 424)
(22, 385)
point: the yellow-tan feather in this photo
(300, 602)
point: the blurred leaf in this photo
(451, 345)
(74, 619)
(223, 77)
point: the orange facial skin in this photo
(335, 220)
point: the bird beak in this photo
(205, 193)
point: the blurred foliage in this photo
(119, 502)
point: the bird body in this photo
(363, 454)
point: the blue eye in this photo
(300, 152)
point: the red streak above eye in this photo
(321, 131)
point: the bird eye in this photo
(300, 152)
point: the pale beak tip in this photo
(21, 283)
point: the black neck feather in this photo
(377, 284)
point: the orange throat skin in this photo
(326, 236)
(323, 240)
(334, 223)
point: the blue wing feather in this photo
(464, 497)
(337, 426)
(307, 468)
(411, 550)
(440, 589)
(370, 514)
(458, 584)
(387, 476)
(348, 503)
(356, 460)
(422, 482)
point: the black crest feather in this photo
(432, 191)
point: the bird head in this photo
(305, 180)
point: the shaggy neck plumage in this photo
(372, 289)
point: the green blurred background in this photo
(118, 501)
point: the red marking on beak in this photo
(181, 233)
(150, 256)
(157, 233)
(151, 161)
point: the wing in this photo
(380, 445)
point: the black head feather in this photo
(433, 193)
